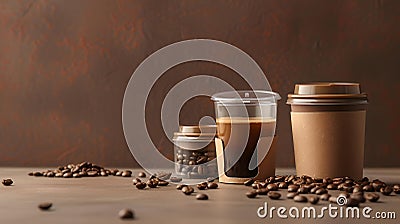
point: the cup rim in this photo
(243, 96)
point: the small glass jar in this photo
(194, 151)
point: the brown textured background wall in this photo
(64, 66)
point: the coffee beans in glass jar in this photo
(195, 152)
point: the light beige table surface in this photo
(98, 200)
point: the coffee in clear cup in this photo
(246, 122)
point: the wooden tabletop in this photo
(98, 200)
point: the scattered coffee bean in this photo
(313, 199)
(188, 190)
(262, 191)
(293, 188)
(386, 190)
(7, 182)
(331, 187)
(251, 194)
(126, 214)
(175, 179)
(141, 185)
(396, 188)
(152, 183)
(300, 198)
(212, 185)
(302, 190)
(180, 186)
(202, 197)
(136, 180)
(357, 189)
(283, 185)
(163, 183)
(274, 195)
(372, 197)
(272, 187)
(368, 188)
(321, 191)
(126, 173)
(325, 197)
(333, 199)
(352, 202)
(249, 182)
(45, 205)
(202, 186)
(142, 174)
(359, 196)
(291, 195)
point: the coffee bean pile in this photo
(191, 163)
(7, 182)
(307, 189)
(154, 181)
(84, 169)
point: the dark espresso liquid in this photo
(238, 134)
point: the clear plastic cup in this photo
(246, 122)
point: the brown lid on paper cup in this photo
(327, 93)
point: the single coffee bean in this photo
(377, 185)
(368, 188)
(274, 195)
(136, 180)
(325, 197)
(331, 187)
(142, 174)
(175, 179)
(30, 173)
(251, 194)
(314, 189)
(93, 173)
(313, 199)
(321, 191)
(291, 195)
(372, 197)
(141, 185)
(300, 198)
(272, 187)
(202, 197)
(212, 185)
(332, 199)
(45, 205)
(126, 173)
(58, 175)
(358, 196)
(357, 189)
(396, 188)
(352, 202)
(386, 190)
(76, 175)
(119, 173)
(180, 186)
(202, 186)
(302, 190)
(293, 188)
(126, 214)
(249, 182)
(7, 182)
(163, 183)
(262, 191)
(283, 185)
(187, 190)
(67, 175)
(37, 174)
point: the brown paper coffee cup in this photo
(328, 127)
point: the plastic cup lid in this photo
(246, 96)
